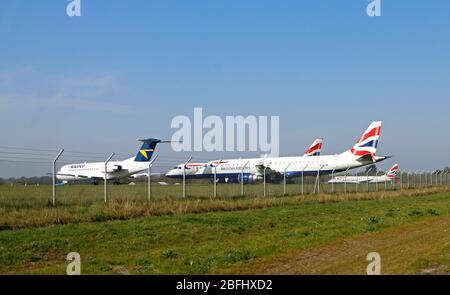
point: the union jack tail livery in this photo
(315, 148)
(367, 144)
(392, 172)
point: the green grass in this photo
(207, 242)
(22, 207)
(21, 197)
(437, 264)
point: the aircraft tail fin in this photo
(315, 148)
(366, 146)
(392, 172)
(146, 151)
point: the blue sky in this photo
(124, 69)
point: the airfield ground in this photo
(328, 233)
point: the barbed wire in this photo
(77, 154)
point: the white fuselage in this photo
(115, 170)
(189, 170)
(292, 166)
(360, 179)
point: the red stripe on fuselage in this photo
(219, 162)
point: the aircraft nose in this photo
(170, 173)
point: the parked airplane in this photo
(192, 168)
(115, 170)
(189, 171)
(250, 170)
(388, 177)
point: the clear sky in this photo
(124, 69)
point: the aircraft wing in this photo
(270, 173)
(367, 158)
(117, 168)
(153, 175)
(72, 175)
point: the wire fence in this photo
(16, 195)
(34, 159)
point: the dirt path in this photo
(404, 250)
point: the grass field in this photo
(228, 235)
(31, 206)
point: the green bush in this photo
(167, 253)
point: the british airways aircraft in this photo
(250, 170)
(192, 168)
(388, 177)
(189, 170)
(115, 169)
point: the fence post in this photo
(284, 179)
(420, 179)
(332, 182)
(184, 176)
(407, 179)
(149, 177)
(264, 171)
(242, 178)
(106, 176)
(54, 176)
(318, 180)
(215, 177)
(303, 170)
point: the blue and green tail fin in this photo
(146, 151)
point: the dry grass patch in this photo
(129, 208)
